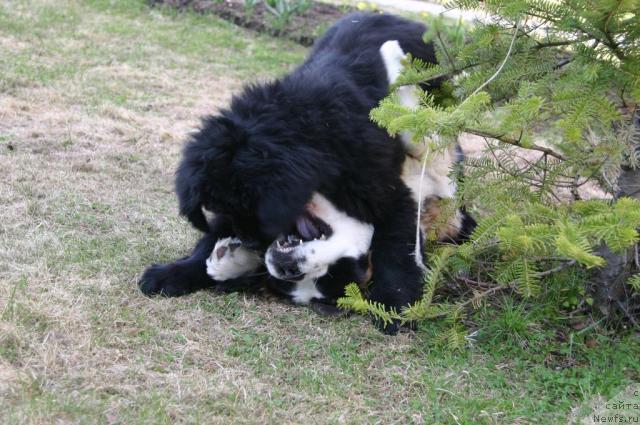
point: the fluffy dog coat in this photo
(292, 147)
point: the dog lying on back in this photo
(301, 183)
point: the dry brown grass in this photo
(86, 195)
(89, 148)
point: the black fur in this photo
(257, 163)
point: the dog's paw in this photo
(329, 310)
(163, 280)
(394, 327)
(386, 327)
(229, 260)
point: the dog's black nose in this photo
(289, 272)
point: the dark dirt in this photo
(303, 28)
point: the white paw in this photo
(229, 260)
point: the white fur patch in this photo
(436, 179)
(392, 56)
(350, 238)
(229, 260)
(436, 182)
(305, 291)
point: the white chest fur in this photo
(305, 291)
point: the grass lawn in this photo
(96, 98)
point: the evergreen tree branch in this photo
(563, 63)
(559, 43)
(515, 142)
(557, 269)
(455, 70)
(499, 70)
(497, 288)
(531, 221)
(452, 63)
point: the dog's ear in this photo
(189, 191)
(206, 154)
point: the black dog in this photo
(299, 178)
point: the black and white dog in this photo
(300, 181)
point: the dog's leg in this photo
(189, 274)
(230, 260)
(181, 277)
(397, 279)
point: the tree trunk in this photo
(612, 296)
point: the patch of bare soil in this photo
(302, 28)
